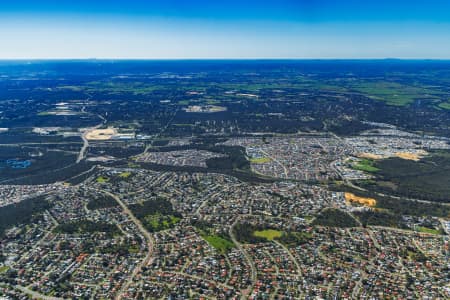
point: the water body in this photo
(18, 164)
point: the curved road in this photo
(147, 236)
(247, 257)
(83, 149)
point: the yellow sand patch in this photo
(361, 200)
(411, 156)
(101, 134)
(370, 156)
(416, 156)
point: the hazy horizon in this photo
(200, 29)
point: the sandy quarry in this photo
(369, 155)
(416, 156)
(411, 156)
(101, 134)
(349, 197)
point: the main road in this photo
(147, 236)
(83, 149)
(247, 257)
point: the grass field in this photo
(124, 175)
(116, 86)
(260, 160)
(445, 105)
(102, 179)
(158, 222)
(427, 230)
(393, 93)
(222, 245)
(269, 234)
(366, 165)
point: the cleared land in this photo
(100, 134)
(416, 156)
(352, 198)
(370, 156)
(411, 156)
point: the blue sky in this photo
(225, 29)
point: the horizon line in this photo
(215, 58)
